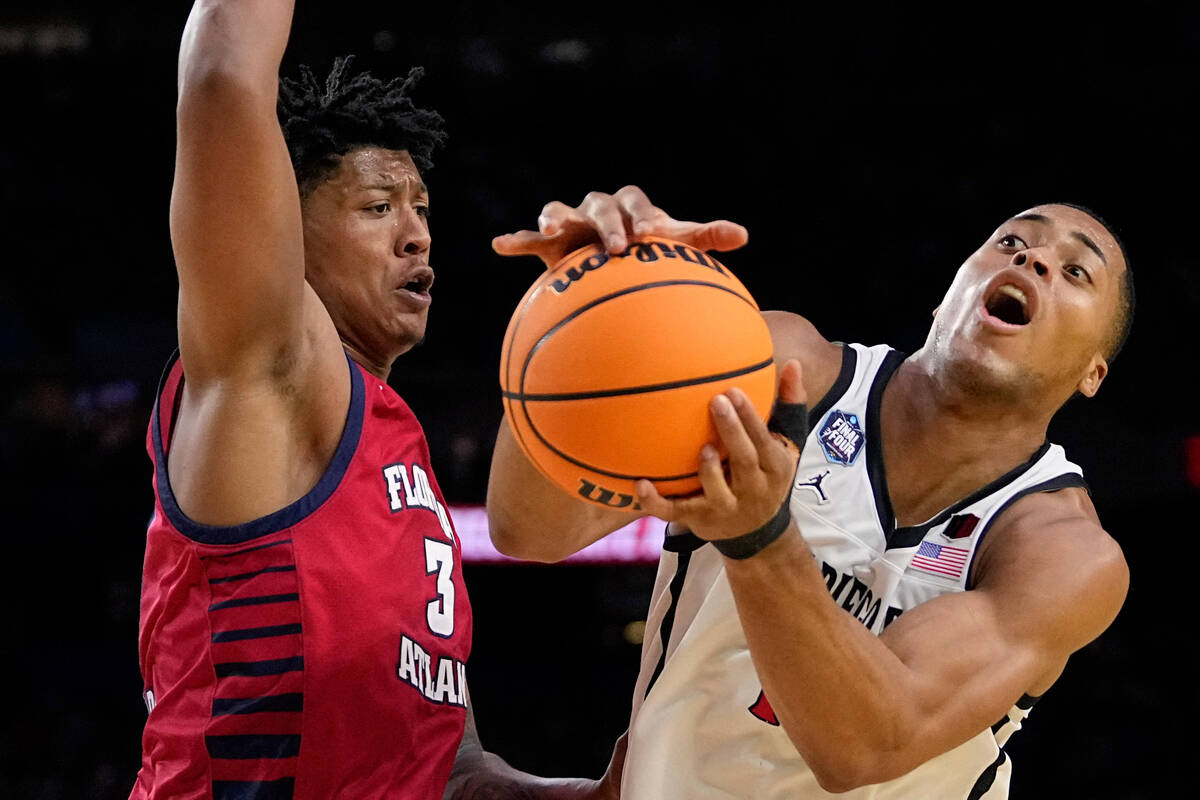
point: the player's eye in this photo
(380, 208)
(1078, 272)
(1011, 242)
(423, 211)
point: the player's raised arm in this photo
(235, 209)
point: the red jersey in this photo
(319, 651)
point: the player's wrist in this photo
(749, 544)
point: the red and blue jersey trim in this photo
(272, 523)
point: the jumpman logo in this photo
(814, 483)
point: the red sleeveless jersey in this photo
(319, 651)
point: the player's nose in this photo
(1035, 259)
(413, 237)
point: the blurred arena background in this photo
(868, 150)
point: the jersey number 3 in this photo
(439, 559)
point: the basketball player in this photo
(871, 607)
(304, 623)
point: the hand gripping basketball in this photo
(613, 219)
(748, 509)
(789, 422)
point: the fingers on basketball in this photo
(557, 215)
(713, 481)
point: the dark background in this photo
(868, 151)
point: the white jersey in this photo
(701, 728)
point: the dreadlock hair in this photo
(323, 123)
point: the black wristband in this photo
(790, 420)
(746, 545)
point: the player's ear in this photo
(1090, 384)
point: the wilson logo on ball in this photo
(645, 252)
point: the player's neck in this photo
(941, 445)
(958, 395)
(378, 367)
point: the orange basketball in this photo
(609, 364)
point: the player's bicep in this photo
(235, 227)
(1049, 585)
(965, 641)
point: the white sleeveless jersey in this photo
(700, 727)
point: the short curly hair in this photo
(321, 123)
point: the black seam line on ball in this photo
(553, 329)
(524, 407)
(653, 387)
(593, 467)
(506, 395)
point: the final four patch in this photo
(842, 438)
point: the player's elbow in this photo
(210, 84)
(842, 765)
(846, 771)
(507, 542)
(214, 61)
(839, 777)
(517, 541)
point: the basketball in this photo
(609, 364)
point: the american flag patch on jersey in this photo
(941, 559)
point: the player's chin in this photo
(411, 332)
(992, 373)
(982, 342)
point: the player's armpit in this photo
(531, 518)
(1053, 582)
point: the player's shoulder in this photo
(795, 337)
(1069, 512)
(1055, 541)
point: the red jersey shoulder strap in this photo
(166, 410)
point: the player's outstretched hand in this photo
(762, 466)
(612, 219)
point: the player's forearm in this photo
(235, 40)
(533, 519)
(480, 775)
(841, 695)
(235, 210)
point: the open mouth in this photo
(420, 281)
(1008, 304)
